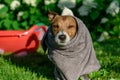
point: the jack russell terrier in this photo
(69, 47)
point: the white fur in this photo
(60, 42)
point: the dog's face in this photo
(63, 27)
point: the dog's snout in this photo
(62, 37)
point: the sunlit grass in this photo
(38, 67)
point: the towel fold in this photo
(76, 58)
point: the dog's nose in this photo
(62, 37)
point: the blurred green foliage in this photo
(33, 13)
(10, 19)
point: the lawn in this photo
(38, 67)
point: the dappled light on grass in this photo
(38, 67)
(30, 67)
(108, 55)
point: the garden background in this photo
(102, 17)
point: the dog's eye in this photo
(70, 26)
(55, 26)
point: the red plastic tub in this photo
(16, 41)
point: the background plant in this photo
(98, 15)
(21, 14)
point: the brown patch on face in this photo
(64, 23)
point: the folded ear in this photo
(52, 15)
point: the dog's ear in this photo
(51, 15)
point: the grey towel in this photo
(75, 59)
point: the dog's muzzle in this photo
(62, 38)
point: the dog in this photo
(63, 27)
(59, 38)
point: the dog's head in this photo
(63, 28)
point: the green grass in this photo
(31, 67)
(38, 67)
